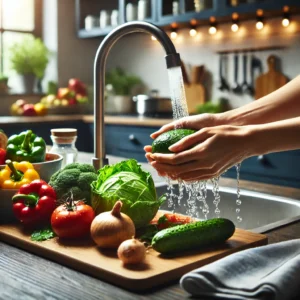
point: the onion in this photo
(132, 252)
(109, 229)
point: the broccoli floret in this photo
(85, 180)
(74, 178)
(81, 167)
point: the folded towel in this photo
(267, 272)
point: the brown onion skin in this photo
(132, 252)
(109, 229)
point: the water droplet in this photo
(238, 202)
(237, 210)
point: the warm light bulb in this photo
(212, 30)
(234, 27)
(153, 38)
(259, 25)
(173, 35)
(285, 22)
(193, 32)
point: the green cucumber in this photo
(193, 235)
(162, 143)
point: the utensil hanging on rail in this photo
(271, 80)
(224, 86)
(237, 89)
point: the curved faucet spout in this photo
(172, 60)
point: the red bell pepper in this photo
(34, 203)
(2, 156)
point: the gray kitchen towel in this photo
(270, 272)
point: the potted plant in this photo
(3, 84)
(122, 85)
(29, 58)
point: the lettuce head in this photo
(126, 181)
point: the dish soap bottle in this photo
(64, 144)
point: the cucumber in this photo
(193, 235)
(162, 143)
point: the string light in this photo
(235, 22)
(193, 30)
(213, 26)
(174, 31)
(286, 16)
(259, 19)
(174, 34)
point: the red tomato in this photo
(74, 223)
(165, 220)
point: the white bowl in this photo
(47, 168)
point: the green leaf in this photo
(147, 233)
(42, 235)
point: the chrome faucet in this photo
(172, 60)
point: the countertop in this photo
(27, 276)
(108, 119)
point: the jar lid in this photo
(64, 132)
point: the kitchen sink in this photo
(259, 212)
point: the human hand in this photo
(215, 149)
(192, 122)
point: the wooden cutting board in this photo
(270, 81)
(195, 95)
(85, 257)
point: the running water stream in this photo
(196, 205)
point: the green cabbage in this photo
(126, 181)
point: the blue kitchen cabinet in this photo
(282, 168)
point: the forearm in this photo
(274, 137)
(279, 105)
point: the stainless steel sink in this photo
(259, 212)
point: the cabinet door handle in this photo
(133, 139)
(263, 160)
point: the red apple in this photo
(77, 86)
(28, 110)
(72, 101)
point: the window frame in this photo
(37, 31)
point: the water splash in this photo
(196, 191)
(177, 91)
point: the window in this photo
(18, 18)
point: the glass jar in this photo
(142, 10)
(63, 140)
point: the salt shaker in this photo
(63, 140)
(142, 9)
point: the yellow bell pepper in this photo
(15, 174)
